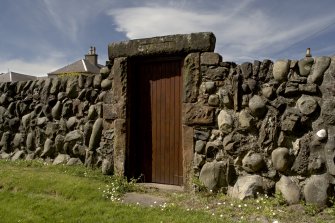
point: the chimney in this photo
(92, 57)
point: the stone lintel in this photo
(180, 44)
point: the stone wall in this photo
(263, 126)
(58, 120)
(258, 127)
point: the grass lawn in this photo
(32, 191)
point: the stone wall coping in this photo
(180, 44)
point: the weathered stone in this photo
(119, 73)
(209, 58)
(281, 69)
(245, 119)
(327, 112)
(71, 122)
(67, 109)
(280, 159)
(71, 88)
(61, 96)
(316, 190)
(265, 71)
(305, 65)
(214, 74)
(74, 136)
(225, 122)
(252, 84)
(212, 148)
(290, 120)
(191, 77)
(213, 175)
(198, 160)
(96, 135)
(92, 113)
(18, 140)
(5, 142)
(247, 187)
(300, 165)
(330, 155)
(163, 45)
(61, 159)
(48, 148)
(30, 143)
(56, 111)
(200, 146)
(253, 162)
(120, 146)
(109, 112)
(308, 88)
(320, 66)
(105, 71)
(55, 84)
(210, 87)
(107, 167)
(321, 134)
(74, 161)
(246, 69)
(267, 91)
(288, 189)
(106, 84)
(194, 114)
(201, 135)
(18, 155)
(225, 98)
(307, 104)
(257, 106)
(213, 100)
(97, 81)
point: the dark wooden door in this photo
(155, 121)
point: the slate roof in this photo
(14, 76)
(80, 66)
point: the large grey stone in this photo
(214, 100)
(73, 136)
(307, 104)
(253, 162)
(288, 189)
(280, 159)
(61, 159)
(257, 106)
(320, 66)
(198, 160)
(163, 45)
(107, 167)
(20, 154)
(316, 190)
(213, 175)
(200, 146)
(56, 111)
(96, 135)
(281, 69)
(330, 154)
(225, 122)
(245, 119)
(305, 66)
(247, 187)
(246, 69)
(106, 84)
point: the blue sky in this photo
(39, 36)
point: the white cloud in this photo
(35, 68)
(242, 30)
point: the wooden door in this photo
(155, 121)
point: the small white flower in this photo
(245, 205)
(219, 203)
(239, 206)
(221, 215)
(275, 221)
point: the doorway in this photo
(154, 112)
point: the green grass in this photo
(31, 191)
(34, 192)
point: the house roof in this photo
(80, 66)
(14, 76)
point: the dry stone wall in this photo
(263, 127)
(250, 128)
(58, 120)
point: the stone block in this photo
(209, 58)
(194, 114)
(109, 112)
(163, 45)
(191, 77)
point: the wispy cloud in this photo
(243, 30)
